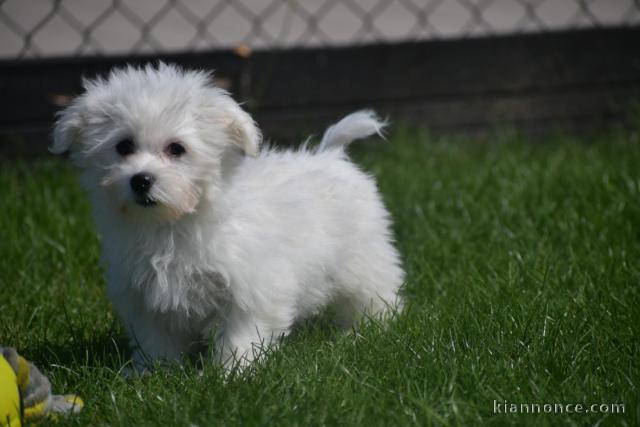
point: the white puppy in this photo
(205, 234)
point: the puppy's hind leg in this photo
(369, 284)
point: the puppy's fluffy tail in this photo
(355, 126)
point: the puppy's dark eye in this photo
(125, 147)
(176, 149)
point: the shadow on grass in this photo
(106, 350)
(109, 349)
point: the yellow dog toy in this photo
(25, 394)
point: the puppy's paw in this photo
(133, 371)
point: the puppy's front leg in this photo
(150, 343)
(246, 335)
(149, 337)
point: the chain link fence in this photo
(45, 28)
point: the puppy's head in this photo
(151, 141)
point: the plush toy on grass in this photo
(25, 393)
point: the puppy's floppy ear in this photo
(241, 128)
(67, 128)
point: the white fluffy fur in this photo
(242, 242)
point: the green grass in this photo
(523, 283)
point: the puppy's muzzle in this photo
(141, 184)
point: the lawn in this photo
(523, 263)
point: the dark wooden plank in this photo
(446, 69)
(532, 81)
(581, 110)
(34, 89)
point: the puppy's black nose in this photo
(141, 183)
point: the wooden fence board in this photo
(584, 79)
